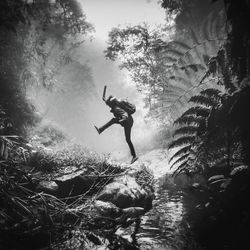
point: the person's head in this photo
(111, 101)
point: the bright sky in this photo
(106, 14)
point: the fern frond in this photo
(198, 111)
(189, 61)
(194, 37)
(178, 89)
(179, 80)
(180, 152)
(175, 46)
(189, 139)
(188, 94)
(211, 92)
(203, 100)
(188, 130)
(181, 167)
(180, 159)
(167, 58)
(212, 26)
(188, 120)
(194, 66)
(207, 27)
(181, 45)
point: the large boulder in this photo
(125, 192)
(98, 209)
(107, 209)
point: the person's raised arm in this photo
(104, 93)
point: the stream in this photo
(163, 227)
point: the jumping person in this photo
(122, 111)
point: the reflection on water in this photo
(162, 227)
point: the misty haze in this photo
(124, 124)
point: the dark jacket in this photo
(119, 113)
(123, 117)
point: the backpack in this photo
(127, 106)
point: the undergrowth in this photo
(30, 219)
(68, 157)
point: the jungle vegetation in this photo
(196, 78)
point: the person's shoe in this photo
(135, 158)
(98, 130)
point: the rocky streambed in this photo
(163, 226)
(140, 207)
(112, 202)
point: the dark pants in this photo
(127, 124)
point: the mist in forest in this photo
(75, 104)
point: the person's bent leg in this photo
(108, 124)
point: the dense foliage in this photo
(212, 138)
(194, 72)
(199, 78)
(38, 38)
(32, 219)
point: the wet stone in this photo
(125, 192)
(49, 187)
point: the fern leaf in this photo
(220, 26)
(206, 27)
(182, 141)
(180, 159)
(188, 120)
(203, 100)
(181, 167)
(239, 169)
(211, 92)
(188, 130)
(198, 111)
(175, 47)
(181, 45)
(194, 38)
(178, 80)
(193, 66)
(217, 23)
(167, 58)
(175, 52)
(180, 152)
(178, 89)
